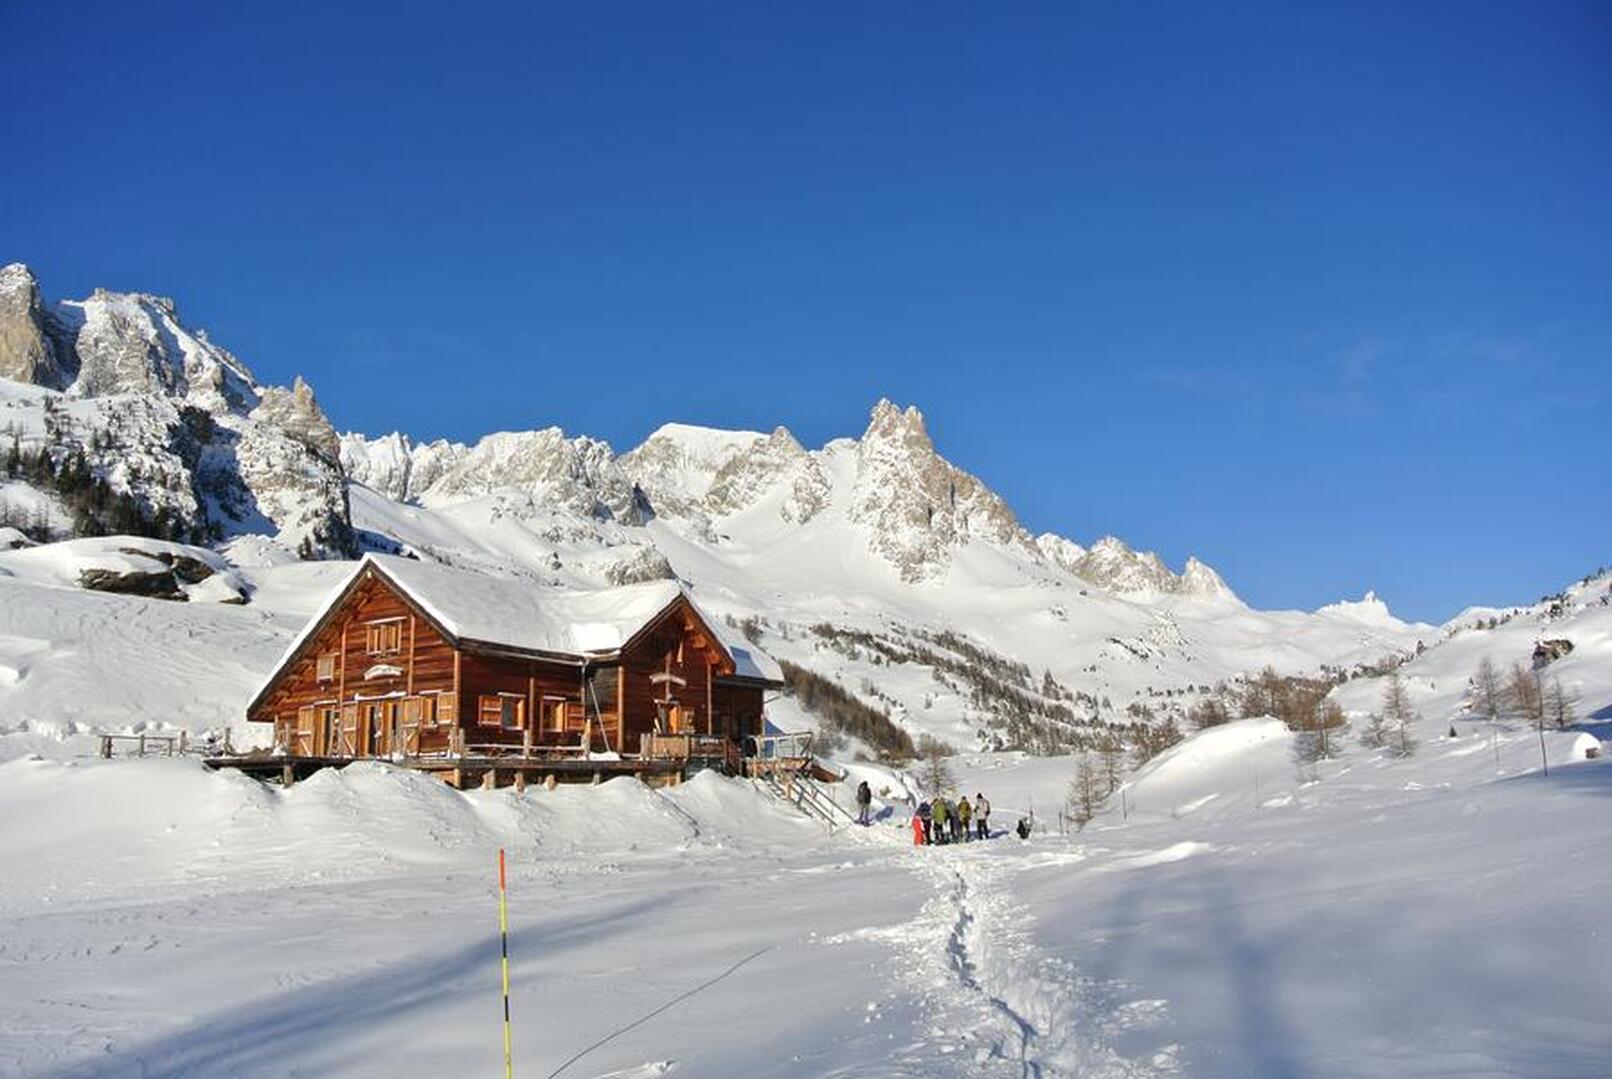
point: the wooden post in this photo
(489, 780)
(520, 782)
(106, 746)
(598, 777)
(184, 742)
(288, 775)
(142, 745)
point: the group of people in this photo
(942, 820)
(945, 821)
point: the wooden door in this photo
(330, 731)
(377, 728)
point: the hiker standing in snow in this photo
(864, 802)
(982, 814)
(942, 813)
(924, 814)
(965, 813)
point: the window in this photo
(383, 638)
(327, 667)
(505, 710)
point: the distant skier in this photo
(982, 815)
(925, 816)
(864, 803)
(965, 816)
(1024, 828)
(942, 814)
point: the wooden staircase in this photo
(785, 769)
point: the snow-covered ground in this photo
(1240, 915)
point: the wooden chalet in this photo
(492, 680)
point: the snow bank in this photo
(1242, 764)
(93, 830)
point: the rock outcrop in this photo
(26, 351)
(917, 506)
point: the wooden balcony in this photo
(686, 747)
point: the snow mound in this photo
(1214, 770)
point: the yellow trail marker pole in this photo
(503, 937)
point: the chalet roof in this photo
(528, 617)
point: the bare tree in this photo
(1399, 714)
(1111, 758)
(1526, 698)
(1522, 696)
(1317, 721)
(1488, 692)
(1376, 733)
(1560, 704)
(935, 775)
(1083, 797)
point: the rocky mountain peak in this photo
(777, 460)
(26, 351)
(917, 505)
(164, 414)
(889, 423)
(295, 412)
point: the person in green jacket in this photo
(965, 813)
(942, 813)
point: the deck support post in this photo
(520, 782)
(550, 781)
(288, 775)
(489, 780)
(598, 777)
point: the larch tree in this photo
(1488, 691)
(1527, 700)
(935, 775)
(1111, 758)
(1083, 796)
(1398, 714)
(1560, 704)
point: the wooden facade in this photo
(378, 677)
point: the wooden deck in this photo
(467, 771)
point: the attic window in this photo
(382, 638)
(326, 667)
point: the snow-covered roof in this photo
(527, 617)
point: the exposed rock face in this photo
(1113, 566)
(775, 460)
(645, 564)
(678, 465)
(396, 465)
(26, 352)
(296, 413)
(918, 506)
(1547, 652)
(577, 474)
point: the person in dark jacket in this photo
(1024, 828)
(925, 814)
(864, 803)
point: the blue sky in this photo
(1323, 296)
